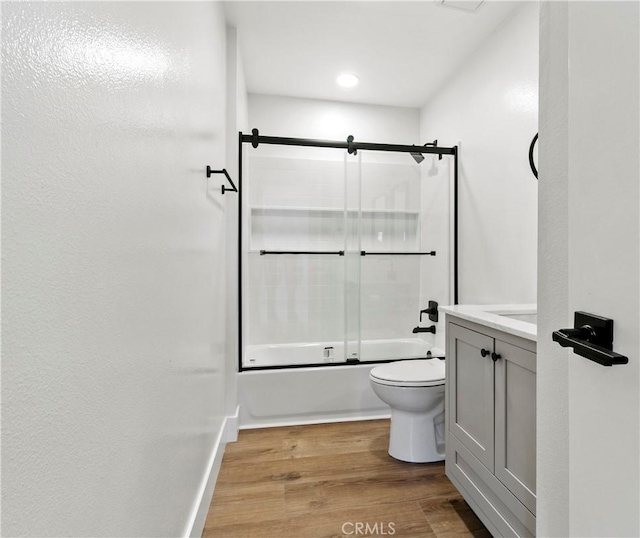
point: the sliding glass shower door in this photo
(296, 229)
(391, 260)
(339, 255)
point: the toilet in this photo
(414, 389)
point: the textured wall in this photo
(588, 416)
(490, 108)
(553, 270)
(113, 264)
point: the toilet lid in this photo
(411, 373)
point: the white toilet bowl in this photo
(414, 389)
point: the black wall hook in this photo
(254, 137)
(223, 171)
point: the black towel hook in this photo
(223, 171)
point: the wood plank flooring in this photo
(332, 480)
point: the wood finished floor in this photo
(319, 481)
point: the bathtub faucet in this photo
(431, 329)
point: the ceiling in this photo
(401, 51)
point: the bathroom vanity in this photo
(491, 413)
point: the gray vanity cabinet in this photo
(471, 383)
(515, 426)
(491, 424)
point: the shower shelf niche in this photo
(323, 228)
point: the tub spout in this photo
(431, 329)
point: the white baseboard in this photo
(319, 419)
(228, 433)
(231, 427)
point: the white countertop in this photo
(496, 317)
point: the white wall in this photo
(489, 108)
(589, 415)
(553, 303)
(332, 120)
(236, 121)
(113, 265)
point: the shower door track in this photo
(352, 147)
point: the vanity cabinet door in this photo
(471, 403)
(515, 426)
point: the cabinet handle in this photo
(484, 352)
(496, 356)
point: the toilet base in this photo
(417, 437)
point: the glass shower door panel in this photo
(352, 261)
(389, 308)
(294, 307)
(391, 192)
(293, 268)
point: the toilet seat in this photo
(410, 373)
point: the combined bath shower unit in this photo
(328, 243)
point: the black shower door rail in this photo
(255, 139)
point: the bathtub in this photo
(298, 354)
(311, 395)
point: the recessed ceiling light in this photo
(347, 80)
